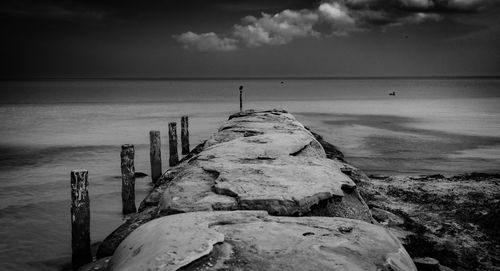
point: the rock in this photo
(426, 264)
(430, 177)
(99, 265)
(267, 161)
(378, 176)
(109, 244)
(444, 268)
(193, 152)
(386, 218)
(194, 193)
(139, 174)
(153, 197)
(331, 151)
(476, 176)
(252, 111)
(344, 229)
(453, 219)
(253, 240)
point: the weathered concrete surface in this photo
(253, 240)
(258, 160)
(264, 161)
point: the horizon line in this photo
(185, 78)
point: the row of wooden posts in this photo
(155, 146)
(80, 204)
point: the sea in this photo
(50, 127)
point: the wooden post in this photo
(155, 155)
(128, 179)
(241, 98)
(172, 142)
(80, 219)
(185, 135)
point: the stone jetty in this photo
(263, 193)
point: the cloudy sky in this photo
(249, 38)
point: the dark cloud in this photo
(434, 6)
(261, 5)
(133, 9)
(374, 13)
(49, 10)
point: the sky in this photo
(244, 38)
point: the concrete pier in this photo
(262, 181)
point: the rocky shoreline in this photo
(453, 219)
(301, 178)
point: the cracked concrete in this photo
(280, 168)
(253, 240)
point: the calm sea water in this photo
(50, 127)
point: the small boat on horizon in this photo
(392, 93)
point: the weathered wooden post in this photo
(80, 219)
(128, 179)
(155, 154)
(185, 135)
(241, 98)
(172, 142)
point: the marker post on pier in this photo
(241, 98)
(128, 179)
(80, 219)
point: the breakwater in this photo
(261, 193)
